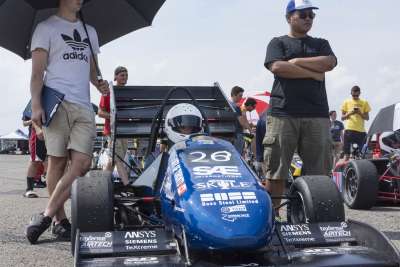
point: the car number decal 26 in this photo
(218, 156)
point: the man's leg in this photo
(80, 164)
(360, 140)
(279, 145)
(31, 173)
(315, 146)
(347, 140)
(55, 171)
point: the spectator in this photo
(242, 123)
(37, 150)
(298, 115)
(260, 133)
(355, 112)
(72, 130)
(248, 106)
(337, 128)
(121, 145)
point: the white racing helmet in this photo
(181, 121)
(389, 141)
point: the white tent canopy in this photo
(16, 135)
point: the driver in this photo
(181, 121)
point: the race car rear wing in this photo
(134, 107)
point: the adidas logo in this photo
(77, 45)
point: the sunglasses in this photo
(305, 14)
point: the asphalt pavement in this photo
(15, 211)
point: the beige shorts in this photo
(311, 138)
(72, 128)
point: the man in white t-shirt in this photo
(61, 59)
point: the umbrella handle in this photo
(98, 72)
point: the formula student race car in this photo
(375, 175)
(200, 204)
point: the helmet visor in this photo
(186, 124)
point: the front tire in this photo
(315, 199)
(360, 184)
(92, 205)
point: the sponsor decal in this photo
(333, 232)
(297, 233)
(141, 240)
(229, 198)
(205, 142)
(96, 242)
(291, 230)
(322, 233)
(237, 208)
(216, 171)
(139, 261)
(179, 179)
(141, 234)
(221, 184)
(234, 217)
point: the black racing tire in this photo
(315, 199)
(360, 184)
(92, 204)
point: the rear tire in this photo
(92, 204)
(316, 199)
(360, 188)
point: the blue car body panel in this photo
(211, 192)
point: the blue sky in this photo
(198, 42)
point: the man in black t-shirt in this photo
(298, 114)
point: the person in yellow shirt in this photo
(355, 112)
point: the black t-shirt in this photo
(336, 128)
(297, 97)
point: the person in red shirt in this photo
(120, 78)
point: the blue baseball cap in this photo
(294, 5)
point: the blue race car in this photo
(200, 204)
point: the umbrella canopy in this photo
(262, 100)
(16, 135)
(388, 119)
(110, 18)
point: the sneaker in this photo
(30, 194)
(39, 184)
(62, 230)
(38, 224)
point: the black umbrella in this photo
(111, 19)
(388, 119)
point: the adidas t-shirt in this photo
(68, 67)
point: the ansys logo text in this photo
(77, 45)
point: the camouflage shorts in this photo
(285, 135)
